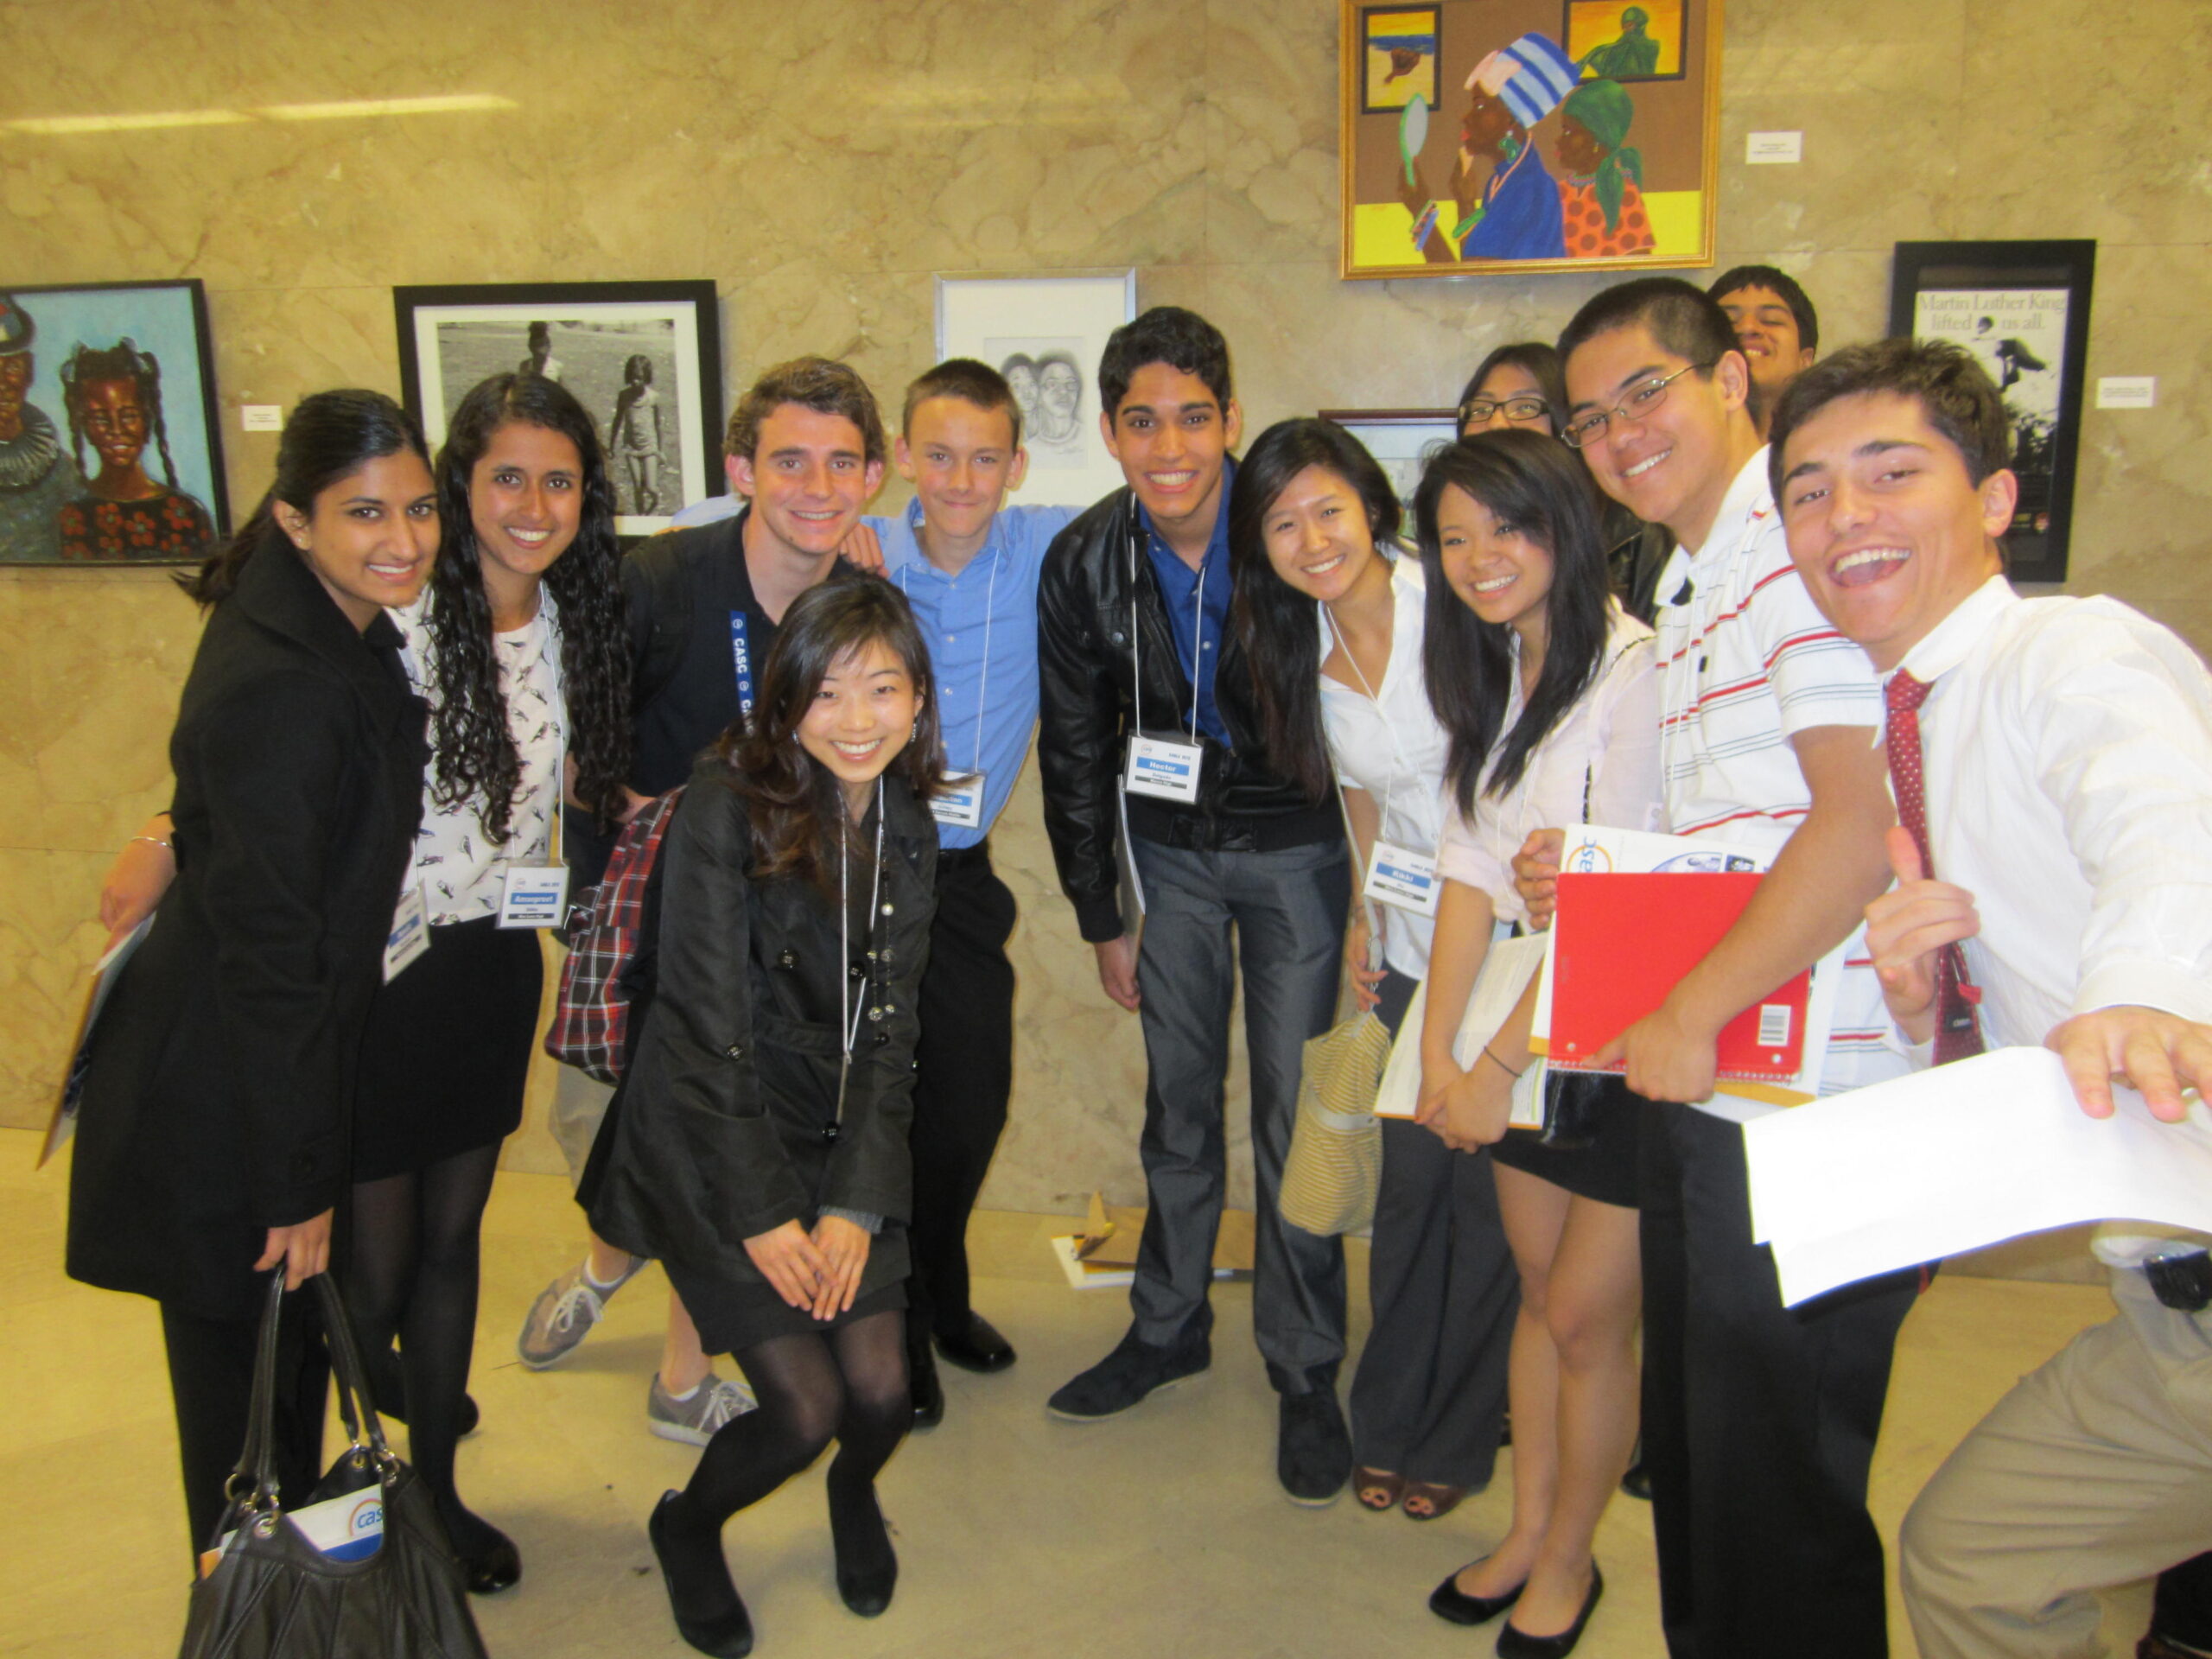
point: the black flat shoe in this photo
(1514, 1643)
(867, 1566)
(496, 1566)
(922, 1385)
(975, 1344)
(725, 1633)
(1448, 1601)
(1636, 1482)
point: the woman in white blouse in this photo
(1548, 694)
(1333, 623)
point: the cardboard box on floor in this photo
(1109, 1237)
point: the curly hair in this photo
(476, 758)
(796, 811)
(122, 362)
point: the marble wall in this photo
(821, 162)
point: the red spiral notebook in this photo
(1624, 941)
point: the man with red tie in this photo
(2051, 760)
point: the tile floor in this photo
(1162, 1532)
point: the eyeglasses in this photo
(1479, 409)
(1644, 399)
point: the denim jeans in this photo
(1286, 910)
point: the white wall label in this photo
(262, 417)
(1774, 148)
(2127, 391)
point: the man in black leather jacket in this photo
(1134, 651)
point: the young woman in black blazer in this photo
(213, 1137)
(757, 1145)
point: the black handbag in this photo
(272, 1594)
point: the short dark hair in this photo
(1542, 365)
(969, 381)
(1954, 391)
(1166, 333)
(1779, 282)
(816, 383)
(1682, 318)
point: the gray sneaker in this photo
(713, 1403)
(564, 1312)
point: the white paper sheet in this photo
(1957, 1157)
(1505, 974)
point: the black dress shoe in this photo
(726, 1631)
(922, 1385)
(868, 1566)
(974, 1344)
(1636, 1482)
(1448, 1601)
(1519, 1644)
(1312, 1446)
(495, 1566)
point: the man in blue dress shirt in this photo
(968, 566)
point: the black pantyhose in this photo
(410, 1270)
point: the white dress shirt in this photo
(1602, 753)
(1391, 746)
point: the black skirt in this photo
(447, 1050)
(735, 1314)
(1605, 1169)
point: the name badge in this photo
(535, 895)
(1397, 875)
(1165, 767)
(410, 934)
(962, 801)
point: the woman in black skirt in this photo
(1549, 693)
(518, 645)
(757, 1144)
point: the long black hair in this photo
(1274, 622)
(472, 739)
(797, 810)
(331, 435)
(1534, 484)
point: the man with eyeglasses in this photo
(1758, 1420)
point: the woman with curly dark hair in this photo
(758, 1146)
(518, 647)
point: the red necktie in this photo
(1957, 1035)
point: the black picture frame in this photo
(166, 323)
(1419, 77)
(452, 337)
(2023, 309)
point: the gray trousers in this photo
(2096, 1470)
(1286, 910)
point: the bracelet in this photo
(1500, 1064)
(156, 841)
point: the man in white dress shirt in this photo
(2064, 760)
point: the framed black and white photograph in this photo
(2023, 309)
(1045, 335)
(1403, 440)
(644, 359)
(110, 450)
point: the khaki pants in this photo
(2094, 1471)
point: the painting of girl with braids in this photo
(113, 400)
(1602, 194)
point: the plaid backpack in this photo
(591, 1013)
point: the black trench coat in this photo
(220, 1082)
(718, 1132)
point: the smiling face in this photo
(808, 477)
(526, 501)
(1767, 330)
(962, 459)
(113, 419)
(1671, 463)
(862, 717)
(1885, 525)
(1509, 384)
(372, 536)
(1317, 536)
(1500, 571)
(1171, 435)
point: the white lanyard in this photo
(1397, 753)
(849, 1015)
(983, 677)
(1395, 874)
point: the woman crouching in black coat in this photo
(758, 1147)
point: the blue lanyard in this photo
(741, 651)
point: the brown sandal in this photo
(1378, 1489)
(1436, 1501)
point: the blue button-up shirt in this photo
(987, 706)
(1198, 611)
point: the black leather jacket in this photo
(1098, 585)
